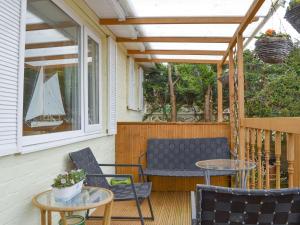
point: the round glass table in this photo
(89, 198)
(227, 165)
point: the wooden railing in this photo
(277, 137)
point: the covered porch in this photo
(117, 42)
(253, 139)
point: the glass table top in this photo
(225, 165)
(89, 197)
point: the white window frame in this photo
(45, 141)
(91, 127)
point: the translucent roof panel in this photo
(199, 57)
(167, 8)
(188, 46)
(190, 30)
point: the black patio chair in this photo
(85, 159)
(219, 205)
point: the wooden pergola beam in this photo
(175, 20)
(50, 44)
(45, 26)
(192, 61)
(51, 57)
(256, 5)
(177, 39)
(175, 52)
(56, 66)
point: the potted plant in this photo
(292, 14)
(68, 185)
(273, 47)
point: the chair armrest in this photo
(111, 175)
(193, 208)
(120, 165)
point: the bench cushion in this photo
(182, 154)
(184, 173)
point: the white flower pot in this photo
(67, 193)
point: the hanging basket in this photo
(293, 17)
(273, 50)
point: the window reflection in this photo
(51, 70)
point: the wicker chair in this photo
(84, 159)
(220, 206)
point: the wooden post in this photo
(252, 142)
(240, 66)
(267, 157)
(291, 158)
(231, 97)
(172, 94)
(220, 92)
(259, 162)
(248, 152)
(277, 156)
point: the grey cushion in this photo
(219, 205)
(184, 173)
(143, 190)
(177, 157)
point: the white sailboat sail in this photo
(46, 101)
(36, 106)
(53, 104)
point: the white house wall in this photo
(24, 175)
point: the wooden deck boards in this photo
(170, 208)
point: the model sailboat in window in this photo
(46, 106)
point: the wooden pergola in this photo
(234, 42)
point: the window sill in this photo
(78, 136)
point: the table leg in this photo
(107, 213)
(236, 180)
(63, 218)
(49, 218)
(244, 179)
(207, 177)
(43, 217)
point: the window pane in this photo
(93, 81)
(51, 70)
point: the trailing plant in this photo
(270, 33)
(68, 179)
(293, 3)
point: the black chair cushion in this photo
(125, 192)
